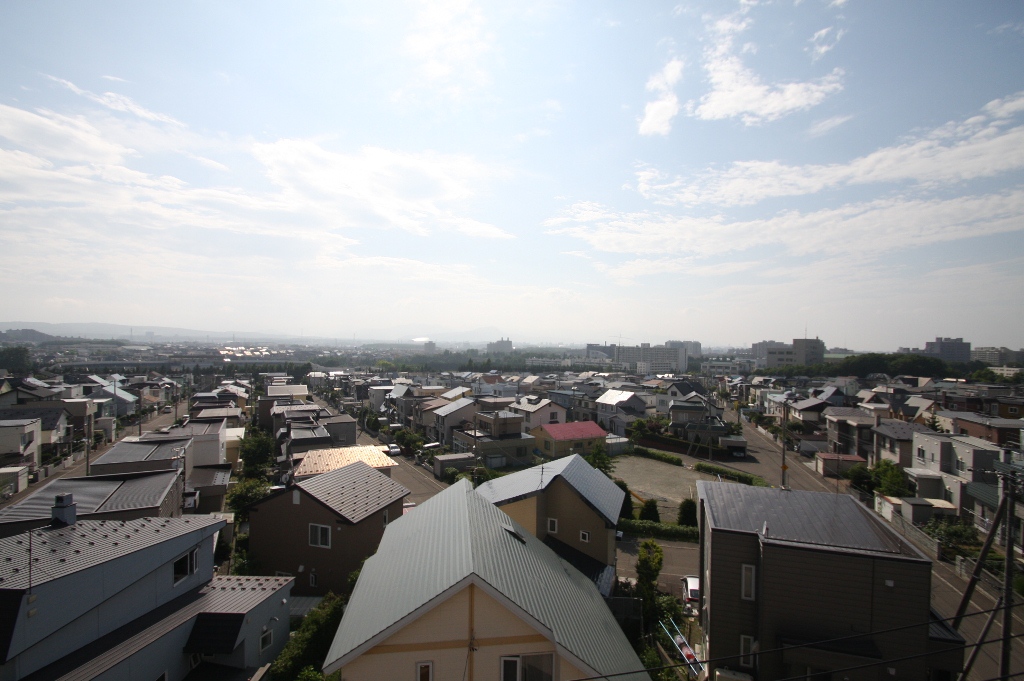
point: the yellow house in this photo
(459, 590)
(571, 507)
(555, 440)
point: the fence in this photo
(928, 545)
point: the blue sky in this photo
(553, 171)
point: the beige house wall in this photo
(526, 514)
(575, 516)
(441, 636)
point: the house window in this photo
(320, 535)
(747, 586)
(554, 417)
(312, 579)
(528, 668)
(186, 565)
(385, 517)
(424, 671)
(920, 453)
(584, 536)
(267, 639)
(547, 444)
(553, 525)
(1013, 410)
(746, 651)
(295, 496)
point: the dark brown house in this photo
(321, 529)
(790, 578)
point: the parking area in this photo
(666, 483)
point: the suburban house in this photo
(894, 440)
(1001, 432)
(451, 416)
(850, 431)
(209, 440)
(321, 529)
(955, 468)
(782, 570)
(317, 461)
(120, 496)
(809, 410)
(20, 441)
(145, 455)
(615, 402)
(132, 599)
(537, 410)
(496, 437)
(571, 507)
(458, 589)
(54, 423)
(556, 440)
(342, 429)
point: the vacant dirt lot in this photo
(666, 483)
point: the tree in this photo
(627, 503)
(649, 511)
(599, 459)
(246, 493)
(257, 453)
(933, 423)
(688, 513)
(17, 360)
(860, 477)
(309, 645)
(649, 559)
(889, 480)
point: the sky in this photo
(546, 171)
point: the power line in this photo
(818, 643)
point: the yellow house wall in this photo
(441, 636)
(573, 514)
(526, 514)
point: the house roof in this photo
(49, 418)
(593, 486)
(354, 491)
(126, 452)
(614, 396)
(814, 519)
(95, 494)
(225, 600)
(458, 538)
(577, 430)
(453, 407)
(317, 461)
(900, 430)
(990, 421)
(810, 404)
(61, 551)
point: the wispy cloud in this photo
(737, 92)
(984, 145)
(114, 78)
(118, 102)
(824, 41)
(658, 114)
(827, 125)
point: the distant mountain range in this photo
(25, 335)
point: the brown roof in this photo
(317, 461)
(355, 491)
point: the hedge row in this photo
(730, 474)
(648, 528)
(657, 456)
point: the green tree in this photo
(257, 453)
(889, 480)
(860, 476)
(17, 360)
(933, 423)
(308, 646)
(627, 502)
(639, 431)
(688, 513)
(649, 560)
(599, 459)
(649, 511)
(246, 493)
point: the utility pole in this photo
(785, 420)
(1009, 492)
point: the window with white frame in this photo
(186, 565)
(424, 671)
(267, 639)
(320, 535)
(553, 525)
(312, 578)
(528, 667)
(746, 651)
(747, 583)
(584, 536)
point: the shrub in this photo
(646, 528)
(246, 493)
(688, 513)
(649, 511)
(657, 456)
(730, 474)
(309, 645)
(627, 503)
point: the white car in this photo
(691, 589)
(394, 450)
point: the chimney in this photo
(64, 511)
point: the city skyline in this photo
(723, 172)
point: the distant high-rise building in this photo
(429, 348)
(946, 349)
(500, 347)
(995, 356)
(808, 351)
(644, 358)
(692, 347)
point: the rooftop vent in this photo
(64, 510)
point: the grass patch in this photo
(730, 474)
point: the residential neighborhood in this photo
(609, 519)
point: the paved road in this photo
(420, 482)
(681, 559)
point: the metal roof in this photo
(596, 489)
(577, 430)
(317, 461)
(900, 430)
(158, 449)
(95, 494)
(821, 519)
(354, 491)
(453, 407)
(60, 551)
(457, 538)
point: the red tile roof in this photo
(577, 430)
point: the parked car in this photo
(691, 589)
(166, 410)
(394, 450)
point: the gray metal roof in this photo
(457, 538)
(454, 406)
(95, 494)
(900, 430)
(596, 489)
(354, 491)
(60, 551)
(821, 519)
(127, 452)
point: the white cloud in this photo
(118, 102)
(737, 92)
(658, 114)
(982, 146)
(823, 41)
(827, 125)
